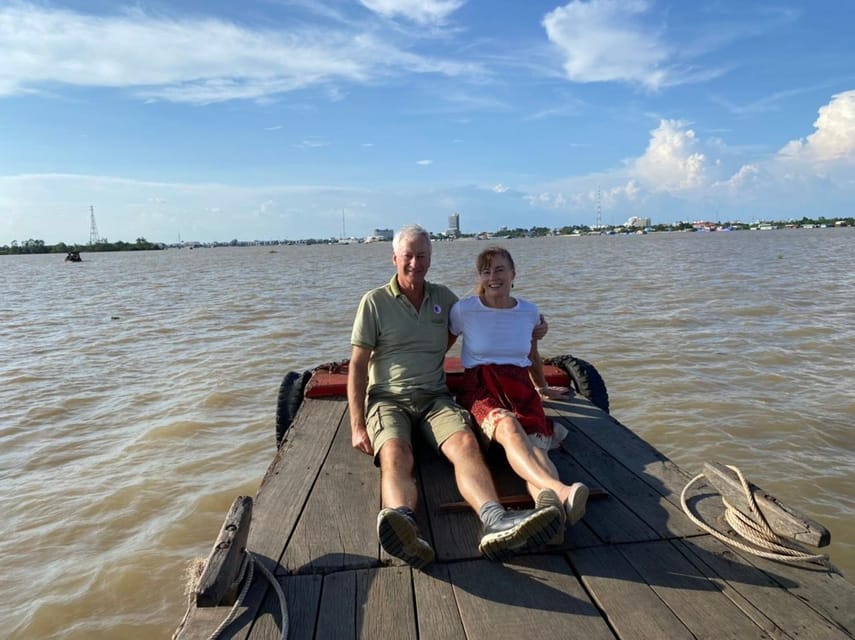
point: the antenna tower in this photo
(93, 228)
(599, 211)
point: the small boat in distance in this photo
(73, 256)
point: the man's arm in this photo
(357, 385)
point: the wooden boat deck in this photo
(635, 567)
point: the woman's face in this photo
(497, 278)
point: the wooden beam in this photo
(219, 584)
(523, 501)
(783, 520)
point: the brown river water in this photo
(138, 390)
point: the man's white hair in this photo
(410, 231)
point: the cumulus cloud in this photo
(602, 40)
(834, 138)
(194, 60)
(500, 188)
(671, 161)
(419, 11)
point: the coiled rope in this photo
(765, 543)
(246, 575)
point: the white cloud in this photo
(500, 188)
(602, 41)
(671, 161)
(194, 60)
(424, 163)
(834, 138)
(419, 11)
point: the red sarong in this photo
(504, 386)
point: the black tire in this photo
(584, 378)
(289, 400)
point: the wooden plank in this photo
(220, 580)
(203, 621)
(289, 480)
(367, 603)
(783, 520)
(385, 606)
(650, 466)
(534, 596)
(302, 595)
(337, 613)
(455, 535)
(633, 609)
(610, 520)
(761, 597)
(824, 590)
(337, 529)
(696, 600)
(438, 617)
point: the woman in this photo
(497, 355)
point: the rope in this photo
(246, 575)
(756, 530)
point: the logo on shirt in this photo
(437, 309)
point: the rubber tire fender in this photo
(584, 378)
(289, 400)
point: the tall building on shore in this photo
(453, 225)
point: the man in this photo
(396, 382)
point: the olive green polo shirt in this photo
(407, 345)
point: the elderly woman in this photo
(498, 352)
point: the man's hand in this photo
(540, 329)
(360, 441)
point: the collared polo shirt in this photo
(407, 344)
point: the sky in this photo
(213, 120)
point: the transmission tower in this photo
(93, 228)
(599, 211)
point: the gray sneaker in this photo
(519, 531)
(399, 536)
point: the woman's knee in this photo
(507, 430)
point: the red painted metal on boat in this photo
(330, 381)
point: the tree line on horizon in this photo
(39, 246)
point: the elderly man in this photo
(396, 382)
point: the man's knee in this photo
(463, 445)
(396, 454)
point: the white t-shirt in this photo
(493, 336)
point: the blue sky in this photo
(263, 119)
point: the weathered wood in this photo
(219, 582)
(636, 511)
(302, 594)
(288, 482)
(757, 593)
(520, 501)
(439, 618)
(535, 596)
(694, 599)
(637, 567)
(385, 606)
(337, 529)
(784, 520)
(650, 466)
(633, 608)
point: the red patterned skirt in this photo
(489, 387)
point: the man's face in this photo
(412, 261)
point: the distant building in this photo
(453, 225)
(637, 222)
(380, 234)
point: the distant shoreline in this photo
(39, 247)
